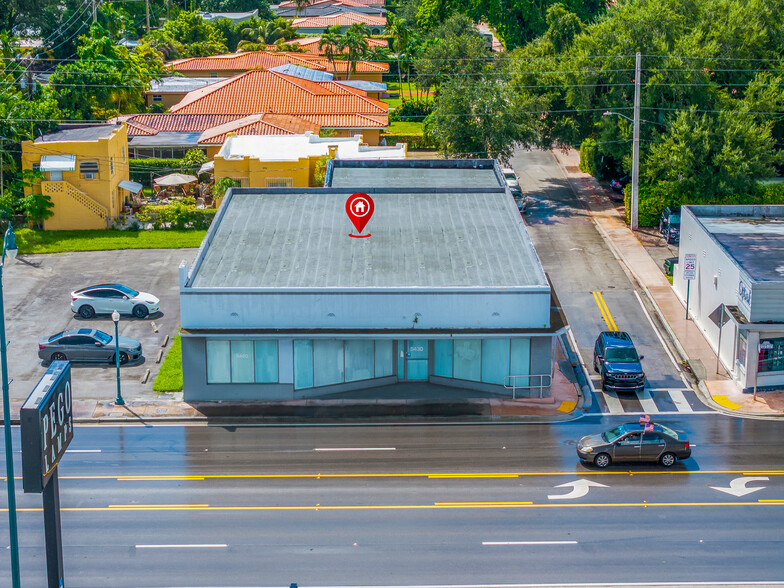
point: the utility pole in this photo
(147, 11)
(95, 14)
(636, 144)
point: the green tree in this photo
(187, 35)
(331, 43)
(356, 45)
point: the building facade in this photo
(282, 303)
(83, 169)
(736, 295)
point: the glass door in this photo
(416, 359)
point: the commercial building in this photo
(282, 303)
(736, 254)
(290, 160)
(85, 174)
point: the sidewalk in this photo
(697, 357)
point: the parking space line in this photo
(679, 400)
(646, 401)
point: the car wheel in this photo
(86, 311)
(140, 311)
(668, 459)
(58, 356)
(604, 386)
(123, 358)
(602, 460)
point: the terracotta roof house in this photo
(172, 135)
(311, 44)
(346, 110)
(292, 4)
(324, 7)
(319, 24)
(224, 66)
(170, 90)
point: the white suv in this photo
(511, 177)
(106, 298)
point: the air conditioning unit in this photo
(89, 176)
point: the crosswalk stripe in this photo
(613, 404)
(646, 401)
(680, 401)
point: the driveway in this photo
(36, 293)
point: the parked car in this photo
(669, 265)
(78, 345)
(670, 224)
(511, 177)
(106, 298)
(635, 442)
(615, 359)
(619, 184)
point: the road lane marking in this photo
(156, 478)
(738, 487)
(608, 319)
(579, 489)
(646, 401)
(634, 413)
(82, 451)
(613, 403)
(183, 546)
(489, 475)
(433, 506)
(529, 542)
(354, 449)
(679, 400)
(157, 506)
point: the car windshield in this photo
(613, 434)
(53, 337)
(509, 175)
(102, 337)
(127, 291)
(621, 355)
(675, 219)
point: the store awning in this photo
(208, 167)
(175, 180)
(61, 163)
(132, 187)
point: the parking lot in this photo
(36, 294)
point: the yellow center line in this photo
(433, 506)
(501, 475)
(608, 319)
(156, 478)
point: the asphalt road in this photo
(407, 505)
(585, 273)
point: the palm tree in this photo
(265, 34)
(397, 28)
(331, 43)
(355, 40)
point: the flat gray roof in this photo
(421, 238)
(423, 177)
(86, 133)
(178, 84)
(752, 235)
(164, 139)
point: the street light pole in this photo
(116, 318)
(636, 145)
(9, 248)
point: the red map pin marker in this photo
(359, 208)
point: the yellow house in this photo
(85, 171)
(290, 161)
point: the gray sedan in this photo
(634, 442)
(87, 345)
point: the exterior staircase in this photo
(62, 187)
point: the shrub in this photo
(176, 216)
(414, 141)
(588, 157)
(140, 169)
(410, 111)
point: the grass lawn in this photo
(405, 128)
(32, 241)
(392, 102)
(170, 377)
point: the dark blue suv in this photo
(616, 359)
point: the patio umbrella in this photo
(175, 180)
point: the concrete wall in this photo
(257, 173)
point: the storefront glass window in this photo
(771, 357)
(266, 361)
(742, 346)
(359, 360)
(384, 358)
(241, 362)
(218, 362)
(495, 360)
(468, 359)
(442, 358)
(327, 362)
(303, 364)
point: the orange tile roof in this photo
(147, 124)
(260, 91)
(311, 47)
(343, 19)
(291, 4)
(259, 124)
(348, 121)
(249, 60)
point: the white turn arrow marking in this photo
(579, 489)
(738, 486)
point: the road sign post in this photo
(46, 420)
(689, 273)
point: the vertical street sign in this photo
(689, 273)
(46, 420)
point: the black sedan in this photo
(634, 442)
(87, 345)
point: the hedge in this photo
(176, 216)
(588, 158)
(414, 141)
(140, 169)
